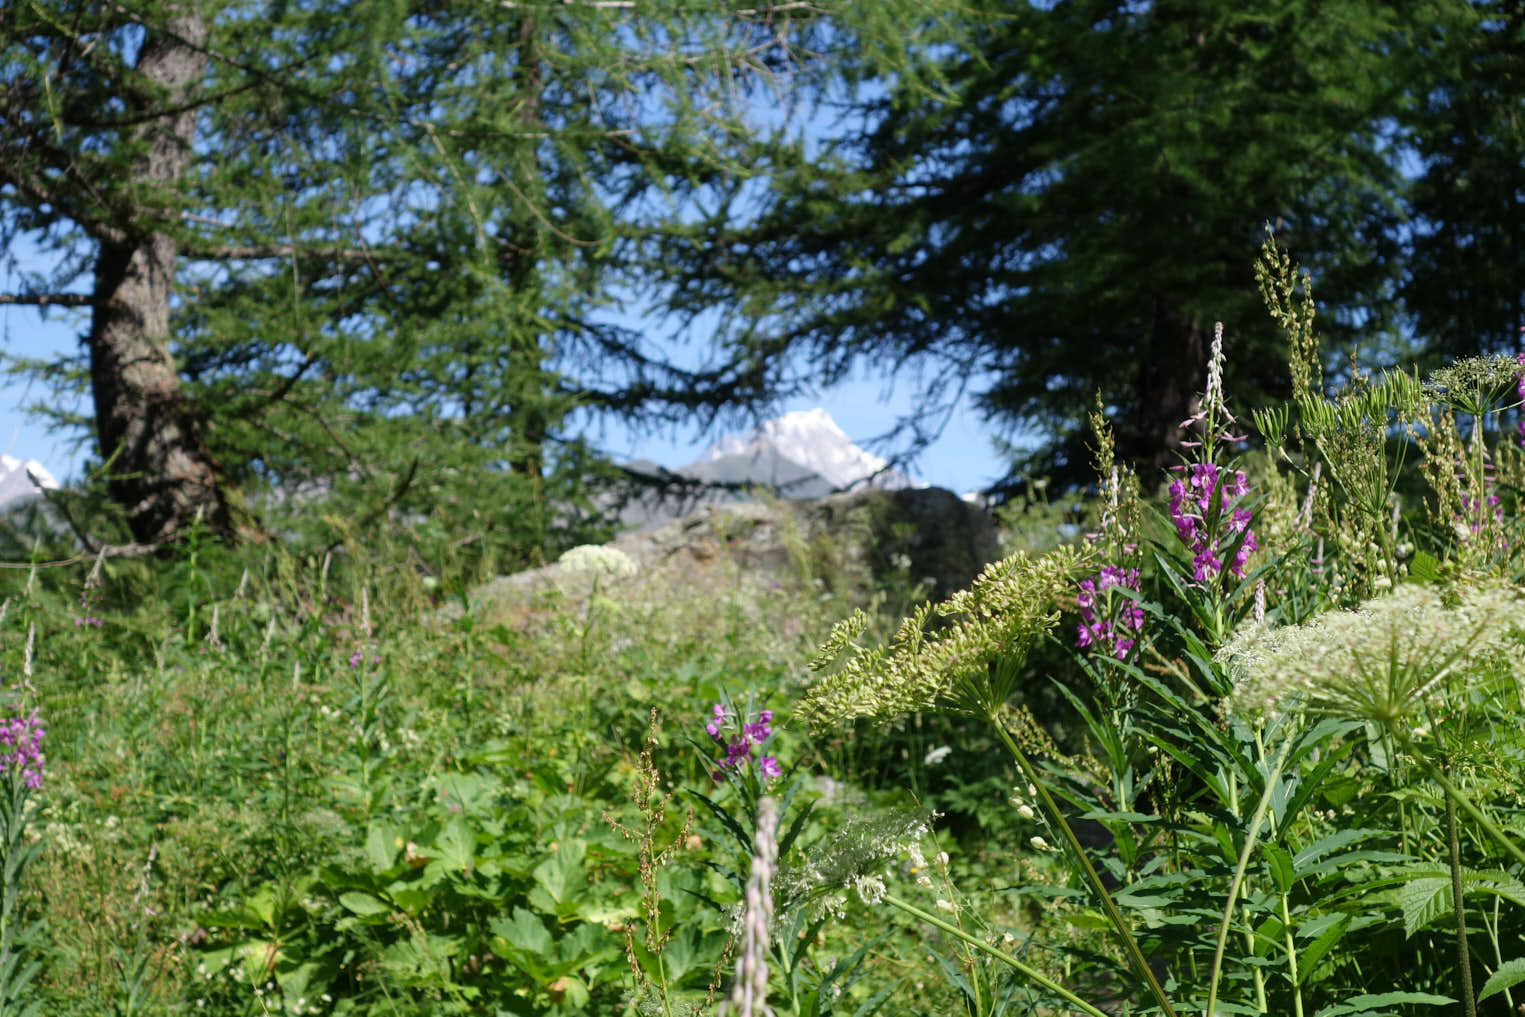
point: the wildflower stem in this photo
(1115, 916)
(1458, 909)
(1291, 944)
(1251, 838)
(1466, 804)
(1000, 955)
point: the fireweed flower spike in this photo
(1519, 388)
(739, 737)
(749, 990)
(1209, 523)
(21, 749)
(1106, 620)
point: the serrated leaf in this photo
(1509, 974)
(562, 874)
(523, 932)
(455, 846)
(364, 904)
(1423, 901)
(1376, 1004)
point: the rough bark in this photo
(160, 469)
(1172, 372)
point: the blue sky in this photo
(962, 459)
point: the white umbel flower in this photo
(599, 559)
(1378, 662)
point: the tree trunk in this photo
(1172, 374)
(528, 419)
(159, 467)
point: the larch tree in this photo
(1465, 279)
(1077, 208)
(372, 245)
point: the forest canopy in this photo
(381, 249)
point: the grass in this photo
(1283, 779)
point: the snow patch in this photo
(16, 485)
(812, 440)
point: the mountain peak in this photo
(812, 440)
(15, 484)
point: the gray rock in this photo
(848, 543)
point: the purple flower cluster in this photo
(1200, 508)
(1519, 387)
(21, 748)
(1474, 513)
(1109, 622)
(739, 738)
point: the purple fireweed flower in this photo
(1106, 621)
(21, 748)
(356, 658)
(739, 737)
(1519, 387)
(1205, 494)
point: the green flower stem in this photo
(1286, 927)
(1466, 804)
(1141, 966)
(1458, 909)
(1000, 955)
(1250, 840)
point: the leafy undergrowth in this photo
(277, 786)
(1251, 747)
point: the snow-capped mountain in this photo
(15, 485)
(810, 440)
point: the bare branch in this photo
(279, 395)
(257, 252)
(106, 550)
(48, 299)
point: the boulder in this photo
(847, 543)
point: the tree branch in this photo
(48, 299)
(256, 252)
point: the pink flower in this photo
(1106, 620)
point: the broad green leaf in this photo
(562, 875)
(1379, 1004)
(455, 846)
(381, 847)
(524, 932)
(1422, 901)
(1509, 974)
(364, 904)
(411, 899)
(1280, 864)
(262, 904)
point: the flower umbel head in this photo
(860, 851)
(1380, 662)
(963, 666)
(599, 559)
